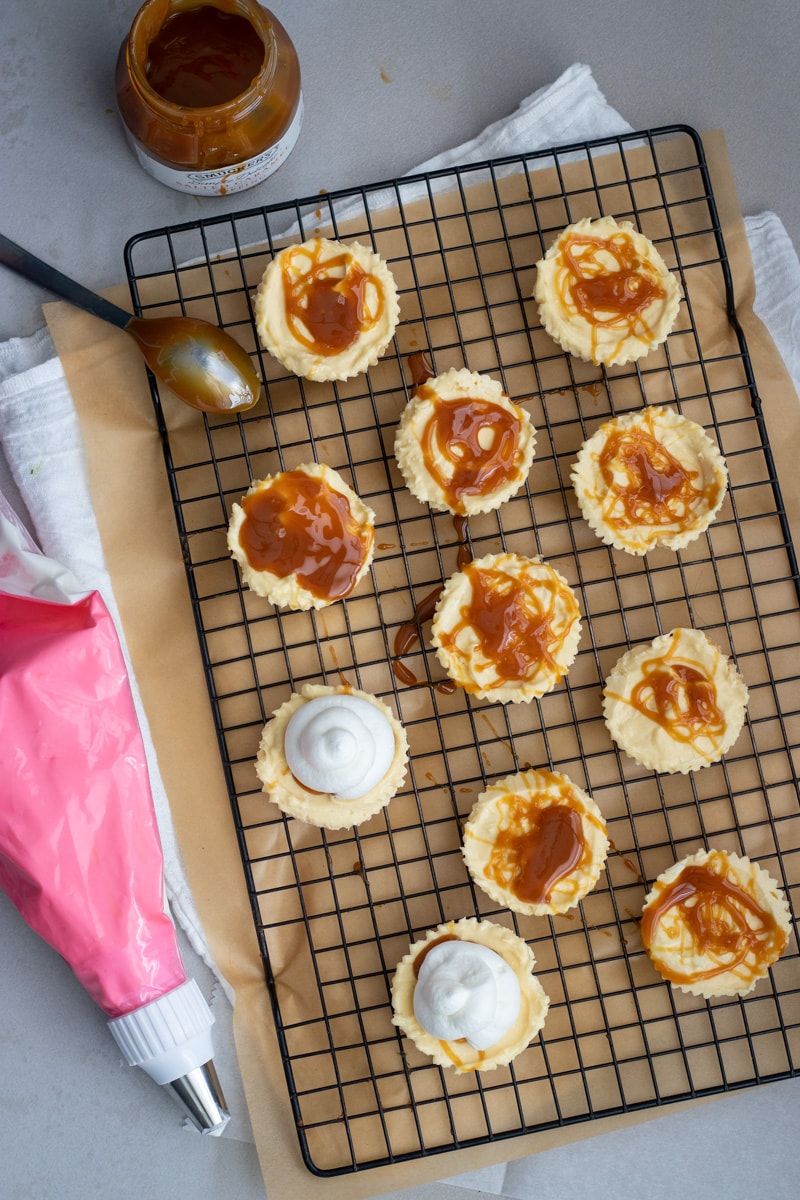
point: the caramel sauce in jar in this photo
(209, 93)
(202, 57)
(299, 526)
(723, 922)
(477, 440)
(327, 299)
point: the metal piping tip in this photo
(200, 1096)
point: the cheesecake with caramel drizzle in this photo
(535, 842)
(325, 309)
(605, 293)
(676, 704)
(649, 478)
(462, 445)
(506, 628)
(302, 538)
(714, 923)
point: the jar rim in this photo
(257, 17)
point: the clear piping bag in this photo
(80, 851)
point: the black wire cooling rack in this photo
(334, 912)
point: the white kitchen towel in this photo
(46, 483)
(777, 273)
(42, 469)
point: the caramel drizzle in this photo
(299, 526)
(614, 298)
(516, 632)
(655, 489)
(476, 440)
(680, 697)
(327, 299)
(721, 921)
(539, 844)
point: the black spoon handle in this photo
(33, 269)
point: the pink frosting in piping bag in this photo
(80, 852)
(80, 849)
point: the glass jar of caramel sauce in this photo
(209, 93)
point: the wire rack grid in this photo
(335, 912)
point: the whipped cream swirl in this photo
(466, 990)
(340, 745)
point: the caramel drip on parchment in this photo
(409, 633)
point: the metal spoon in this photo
(198, 361)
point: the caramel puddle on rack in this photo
(464, 555)
(409, 633)
(420, 368)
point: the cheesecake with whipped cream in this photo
(466, 996)
(332, 756)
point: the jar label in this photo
(223, 181)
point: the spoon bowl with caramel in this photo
(201, 363)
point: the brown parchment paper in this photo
(134, 511)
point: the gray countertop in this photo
(386, 86)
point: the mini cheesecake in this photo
(302, 538)
(506, 628)
(605, 293)
(332, 756)
(714, 923)
(462, 445)
(471, 1034)
(650, 478)
(535, 842)
(326, 310)
(676, 704)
